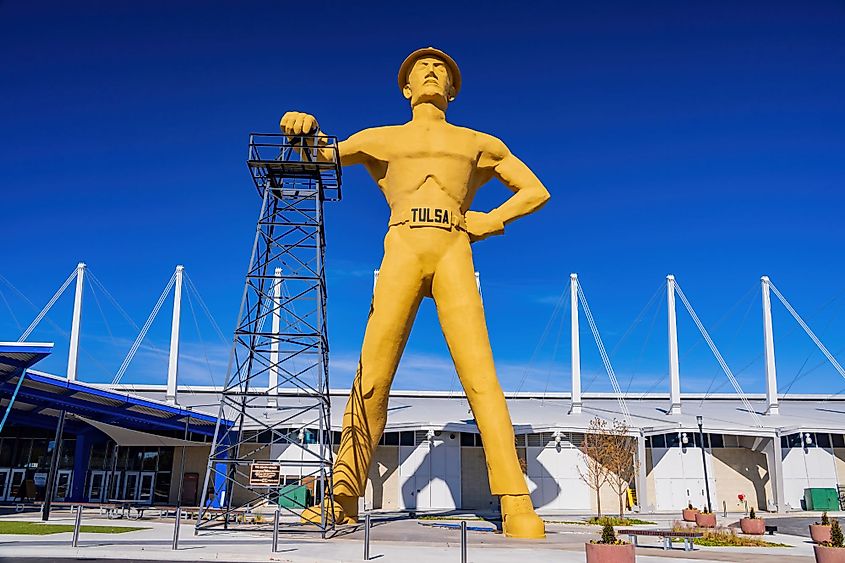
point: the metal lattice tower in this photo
(280, 346)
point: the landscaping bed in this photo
(39, 529)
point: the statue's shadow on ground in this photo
(452, 516)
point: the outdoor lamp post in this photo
(704, 461)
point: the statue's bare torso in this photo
(402, 158)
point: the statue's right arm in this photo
(352, 150)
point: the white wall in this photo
(679, 478)
(430, 474)
(804, 468)
(554, 481)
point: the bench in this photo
(771, 530)
(666, 534)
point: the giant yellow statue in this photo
(429, 171)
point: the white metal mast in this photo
(674, 371)
(769, 345)
(576, 345)
(73, 353)
(173, 363)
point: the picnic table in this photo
(665, 533)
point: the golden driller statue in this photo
(429, 171)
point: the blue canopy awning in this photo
(45, 394)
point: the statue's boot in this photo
(344, 511)
(519, 519)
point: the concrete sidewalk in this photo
(404, 541)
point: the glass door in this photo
(15, 483)
(130, 485)
(4, 482)
(63, 480)
(145, 491)
(97, 486)
(115, 483)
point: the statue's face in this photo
(429, 81)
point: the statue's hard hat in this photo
(430, 52)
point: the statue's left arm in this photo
(529, 192)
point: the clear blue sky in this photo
(700, 139)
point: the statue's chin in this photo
(436, 98)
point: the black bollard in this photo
(463, 541)
(367, 537)
(77, 524)
(276, 531)
(176, 528)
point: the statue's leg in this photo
(396, 300)
(462, 319)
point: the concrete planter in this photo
(820, 532)
(689, 514)
(705, 520)
(609, 553)
(756, 526)
(829, 554)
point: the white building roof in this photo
(534, 412)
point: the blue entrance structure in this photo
(35, 400)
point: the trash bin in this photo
(818, 498)
(294, 496)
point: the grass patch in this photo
(725, 537)
(616, 521)
(39, 529)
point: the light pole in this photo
(704, 461)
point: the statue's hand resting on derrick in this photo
(429, 171)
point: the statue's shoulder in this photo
(487, 144)
(373, 135)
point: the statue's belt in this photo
(428, 216)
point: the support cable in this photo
(558, 307)
(643, 348)
(604, 357)
(111, 298)
(100, 308)
(205, 309)
(47, 307)
(800, 374)
(199, 334)
(11, 312)
(554, 351)
(119, 375)
(811, 370)
(807, 329)
(746, 403)
(746, 366)
(20, 294)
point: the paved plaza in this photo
(392, 539)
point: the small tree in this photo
(622, 462)
(608, 534)
(825, 519)
(594, 450)
(836, 539)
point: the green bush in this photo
(825, 519)
(836, 539)
(752, 515)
